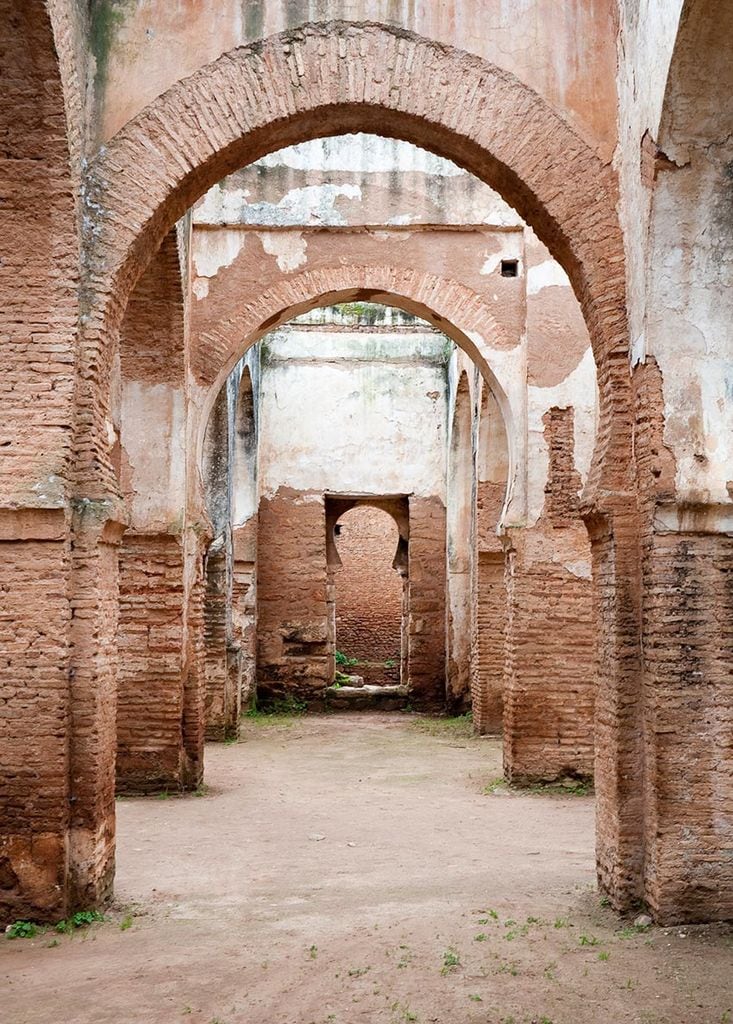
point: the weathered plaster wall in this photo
(359, 410)
(376, 410)
(567, 55)
(647, 32)
(352, 180)
(690, 289)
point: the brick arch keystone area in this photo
(327, 79)
(455, 310)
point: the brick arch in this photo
(326, 79)
(449, 306)
(445, 303)
(394, 508)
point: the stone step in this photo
(386, 698)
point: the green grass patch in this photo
(454, 726)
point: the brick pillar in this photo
(427, 591)
(150, 754)
(550, 663)
(194, 671)
(618, 724)
(93, 699)
(244, 605)
(223, 695)
(294, 658)
(688, 716)
(487, 663)
(35, 615)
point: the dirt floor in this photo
(362, 868)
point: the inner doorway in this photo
(370, 599)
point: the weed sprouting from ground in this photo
(451, 960)
(22, 930)
(402, 1013)
(29, 929)
(81, 919)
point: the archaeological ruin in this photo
(367, 368)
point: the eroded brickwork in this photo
(223, 687)
(426, 604)
(688, 712)
(34, 785)
(369, 594)
(550, 664)
(150, 679)
(38, 316)
(550, 682)
(487, 663)
(292, 648)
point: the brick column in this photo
(294, 657)
(688, 720)
(93, 699)
(244, 605)
(488, 644)
(223, 697)
(618, 724)
(150, 754)
(427, 592)
(550, 656)
(35, 616)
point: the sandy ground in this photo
(352, 868)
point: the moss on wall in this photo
(105, 19)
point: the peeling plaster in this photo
(216, 249)
(579, 390)
(154, 476)
(372, 426)
(546, 275)
(288, 248)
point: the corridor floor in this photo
(354, 868)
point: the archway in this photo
(370, 600)
(510, 139)
(515, 142)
